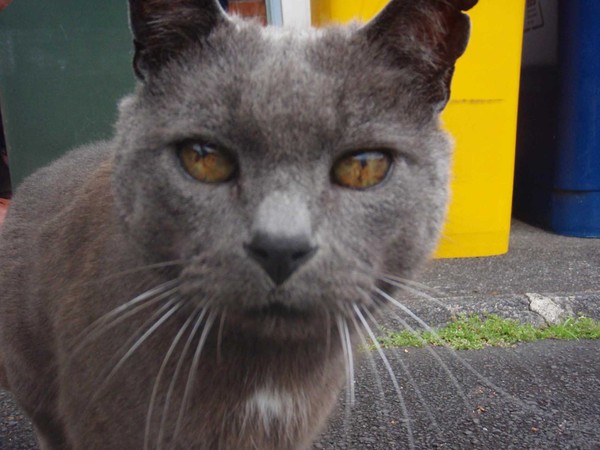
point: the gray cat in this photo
(205, 277)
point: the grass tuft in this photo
(475, 332)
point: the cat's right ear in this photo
(164, 28)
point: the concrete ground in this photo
(539, 396)
(543, 276)
(544, 395)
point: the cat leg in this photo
(49, 433)
(43, 443)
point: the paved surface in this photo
(563, 271)
(543, 395)
(549, 400)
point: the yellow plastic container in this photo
(482, 117)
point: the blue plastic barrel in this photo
(576, 197)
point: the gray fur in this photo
(286, 105)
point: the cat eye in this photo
(362, 170)
(206, 163)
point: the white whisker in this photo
(411, 380)
(347, 349)
(141, 340)
(415, 289)
(220, 335)
(388, 367)
(414, 284)
(159, 376)
(152, 319)
(344, 334)
(191, 374)
(436, 356)
(327, 334)
(121, 313)
(461, 360)
(175, 262)
(375, 373)
(173, 382)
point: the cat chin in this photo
(277, 310)
(278, 323)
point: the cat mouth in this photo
(276, 310)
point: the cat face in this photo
(286, 168)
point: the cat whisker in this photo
(346, 343)
(388, 367)
(349, 360)
(416, 289)
(410, 378)
(328, 331)
(437, 357)
(344, 335)
(164, 316)
(160, 374)
(461, 360)
(192, 372)
(220, 335)
(433, 353)
(375, 372)
(178, 368)
(148, 267)
(147, 323)
(405, 282)
(124, 311)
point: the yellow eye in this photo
(206, 163)
(362, 170)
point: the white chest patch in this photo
(275, 407)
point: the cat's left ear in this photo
(424, 35)
(164, 28)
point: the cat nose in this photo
(280, 256)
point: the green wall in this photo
(63, 66)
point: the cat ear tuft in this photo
(427, 35)
(163, 28)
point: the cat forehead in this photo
(281, 61)
(251, 58)
(254, 82)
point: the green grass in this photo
(474, 332)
